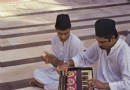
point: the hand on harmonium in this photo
(49, 58)
(64, 67)
(94, 83)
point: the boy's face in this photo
(104, 43)
(63, 35)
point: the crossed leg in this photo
(34, 83)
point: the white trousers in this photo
(47, 76)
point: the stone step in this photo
(26, 31)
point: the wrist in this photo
(60, 62)
(68, 63)
(106, 85)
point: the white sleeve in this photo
(53, 45)
(76, 48)
(88, 57)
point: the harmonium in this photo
(76, 79)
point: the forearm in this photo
(57, 63)
(70, 63)
(60, 62)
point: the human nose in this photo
(63, 36)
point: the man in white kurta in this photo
(128, 39)
(113, 55)
(113, 68)
(65, 45)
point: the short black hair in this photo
(62, 22)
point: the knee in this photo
(36, 71)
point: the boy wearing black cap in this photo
(113, 55)
(65, 45)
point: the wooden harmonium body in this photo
(76, 79)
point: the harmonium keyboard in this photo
(76, 79)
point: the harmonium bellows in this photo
(76, 79)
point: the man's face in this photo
(104, 43)
(63, 35)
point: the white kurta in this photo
(71, 47)
(113, 68)
(128, 39)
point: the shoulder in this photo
(95, 46)
(122, 52)
(122, 43)
(128, 35)
(54, 39)
(74, 39)
(122, 47)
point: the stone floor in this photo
(27, 26)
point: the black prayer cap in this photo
(63, 22)
(105, 27)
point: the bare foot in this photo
(34, 83)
